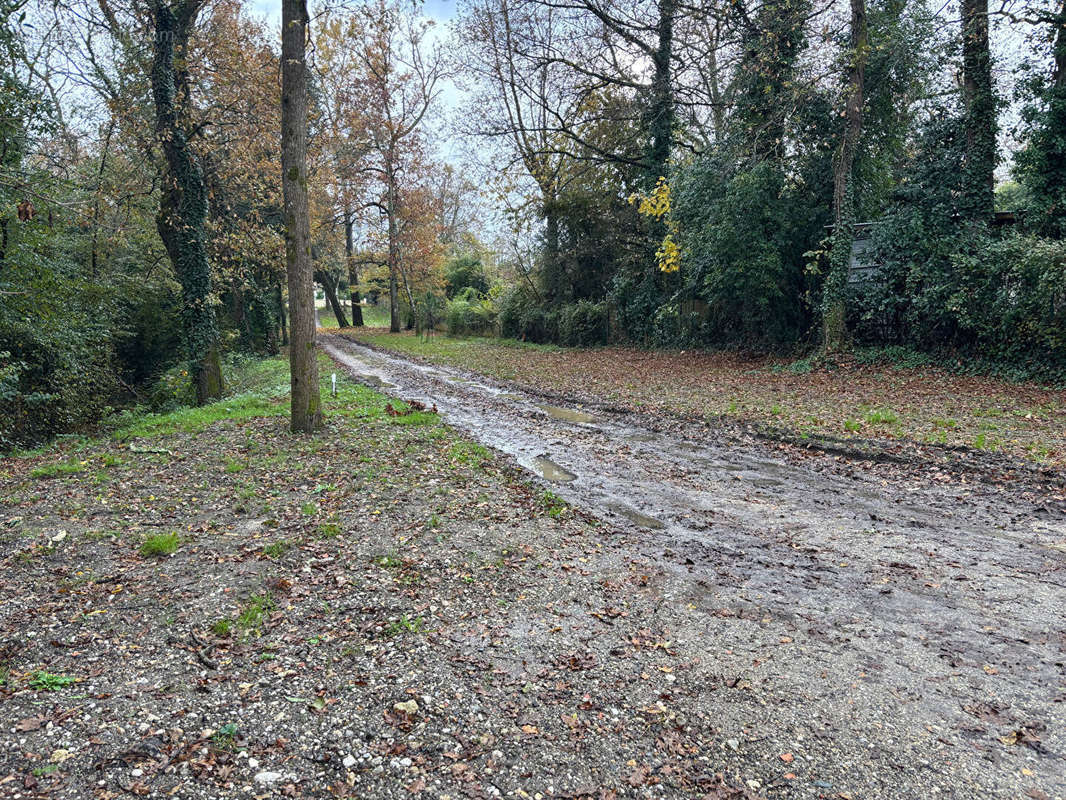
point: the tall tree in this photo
(183, 197)
(979, 104)
(303, 364)
(1042, 163)
(401, 77)
(843, 190)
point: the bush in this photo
(583, 324)
(741, 234)
(521, 316)
(469, 312)
(1009, 299)
(465, 272)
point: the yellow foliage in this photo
(657, 206)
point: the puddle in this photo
(567, 414)
(551, 471)
(765, 483)
(374, 380)
(643, 520)
(641, 437)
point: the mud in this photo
(904, 603)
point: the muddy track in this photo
(952, 597)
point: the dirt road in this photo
(905, 630)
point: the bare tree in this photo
(401, 82)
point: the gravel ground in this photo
(390, 610)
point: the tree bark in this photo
(661, 109)
(353, 270)
(329, 286)
(183, 198)
(394, 292)
(980, 105)
(843, 192)
(281, 317)
(306, 408)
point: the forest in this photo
(588, 172)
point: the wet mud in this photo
(913, 602)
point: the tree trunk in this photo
(303, 365)
(97, 201)
(980, 105)
(843, 191)
(394, 293)
(281, 317)
(329, 286)
(552, 279)
(661, 111)
(183, 200)
(353, 271)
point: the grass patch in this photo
(276, 549)
(329, 530)
(57, 470)
(469, 453)
(43, 681)
(162, 544)
(222, 627)
(404, 624)
(258, 608)
(225, 738)
(882, 417)
(416, 418)
(553, 504)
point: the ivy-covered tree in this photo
(979, 106)
(1041, 165)
(183, 203)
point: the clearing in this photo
(203, 606)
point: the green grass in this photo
(469, 453)
(404, 624)
(258, 608)
(329, 530)
(225, 738)
(159, 545)
(882, 417)
(553, 504)
(276, 549)
(57, 470)
(259, 389)
(373, 316)
(222, 627)
(47, 682)
(417, 418)
(447, 349)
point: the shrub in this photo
(470, 313)
(465, 272)
(522, 317)
(742, 232)
(583, 324)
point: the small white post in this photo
(333, 377)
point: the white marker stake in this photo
(333, 376)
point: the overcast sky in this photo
(440, 10)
